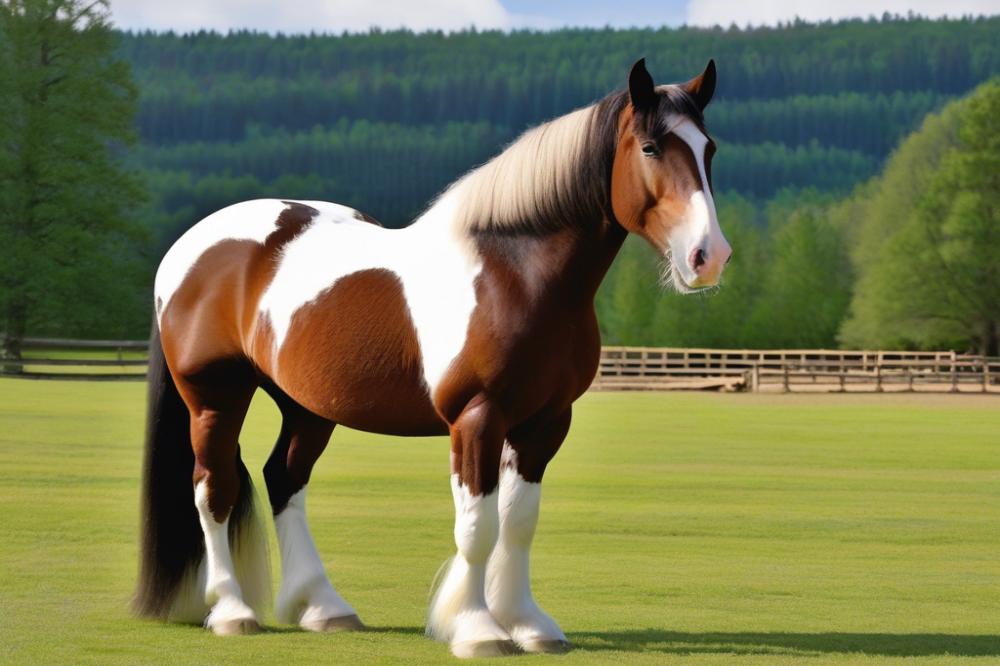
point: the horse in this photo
(476, 321)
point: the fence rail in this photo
(786, 370)
(622, 368)
(57, 358)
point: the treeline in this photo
(179, 111)
(383, 121)
(392, 170)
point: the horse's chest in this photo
(526, 361)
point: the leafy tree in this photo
(627, 299)
(808, 280)
(71, 260)
(928, 254)
(960, 215)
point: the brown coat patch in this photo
(352, 356)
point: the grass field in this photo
(693, 528)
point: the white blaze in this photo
(699, 227)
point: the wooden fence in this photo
(623, 368)
(786, 370)
(52, 358)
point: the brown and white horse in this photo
(475, 321)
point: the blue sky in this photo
(625, 13)
(297, 16)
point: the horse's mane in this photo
(557, 174)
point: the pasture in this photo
(696, 528)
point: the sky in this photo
(303, 16)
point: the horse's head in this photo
(661, 183)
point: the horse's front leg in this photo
(525, 455)
(458, 613)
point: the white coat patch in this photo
(435, 265)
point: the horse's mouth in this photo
(683, 286)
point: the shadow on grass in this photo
(415, 631)
(275, 629)
(892, 645)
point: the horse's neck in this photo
(566, 266)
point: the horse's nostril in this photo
(698, 260)
(730, 257)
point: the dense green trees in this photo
(383, 121)
(928, 236)
(797, 106)
(71, 256)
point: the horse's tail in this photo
(172, 545)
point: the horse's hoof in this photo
(334, 624)
(478, 649)
(557, 646)
(236, 627)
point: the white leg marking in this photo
(222, 589)
(508, 588)
(458, 612)
(253, 568)
(306, 598)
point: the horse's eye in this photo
(650, 149)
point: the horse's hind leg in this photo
(306, 597)
(508, 589)
(218, 408)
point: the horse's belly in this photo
(352, 356)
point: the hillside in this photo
(383, 121)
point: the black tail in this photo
(172, 544)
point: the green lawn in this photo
(696, 528)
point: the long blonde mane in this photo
(531, 182)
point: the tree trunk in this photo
(14, 338)
(989, 342)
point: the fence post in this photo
(10, 356)
(878, 375)
(784, 382)
(755, 378)
(986, 374)
(954, 376)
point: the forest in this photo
(806, 118)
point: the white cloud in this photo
(769, 12)
(303, 16)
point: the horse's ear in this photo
(702, 87)
(640, 87)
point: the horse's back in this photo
(208, 283)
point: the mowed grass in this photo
(690, 528)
